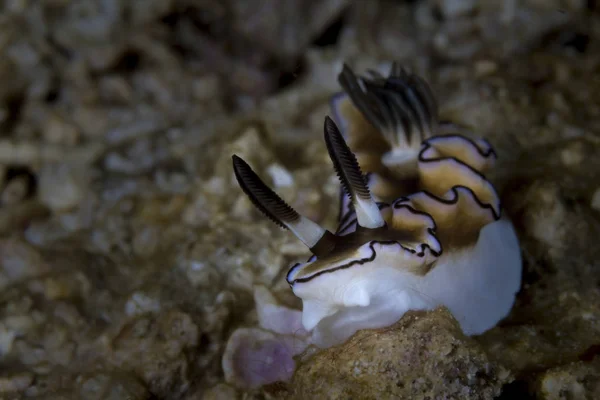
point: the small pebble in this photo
(62, 186)
(15, 190)
(595, 203)
(485, 68)
(281, 177)
(16, 382)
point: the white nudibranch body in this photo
(422, 229)
(478, 286)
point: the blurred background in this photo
(128, 254)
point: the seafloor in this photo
(128, 253)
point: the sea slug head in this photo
(351, 268)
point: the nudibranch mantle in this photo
(422, 228)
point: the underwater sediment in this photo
(129, 255)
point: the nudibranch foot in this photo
(382, 311)
(479, 283)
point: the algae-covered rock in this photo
(423, 356)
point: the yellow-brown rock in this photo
(423, 356)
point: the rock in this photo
(140, 303)
(579, 380)
(276, 30)
(16, 382)
(110, 386)
(62, 186)
(220, 392)
(258, 356)
(155, 347)
(554, 320)
(455, 8)
(423, 356)
(595, 203)
(60, 131)
(15, 191)
(280, 176)
(19, 261)
(255, 357)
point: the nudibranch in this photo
(421, 228)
